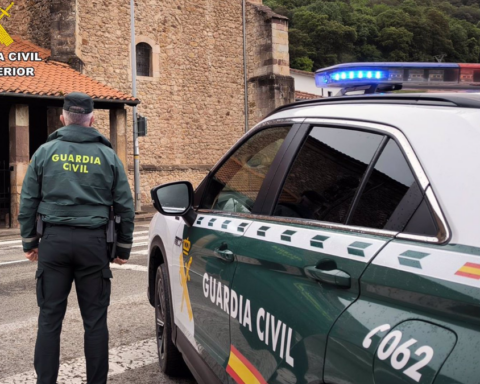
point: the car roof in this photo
(461, 100)
(443, 130)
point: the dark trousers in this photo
(68, 254)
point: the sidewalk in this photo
(142, 217)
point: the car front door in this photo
(416, 320)
(299, 265)
(207, 250)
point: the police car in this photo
(337, 241)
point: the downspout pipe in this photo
(245, 69)
(136, 149)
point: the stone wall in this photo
(194, 101)
(30, 19)
(195, 105)
(150, 178)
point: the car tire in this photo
(169, 357)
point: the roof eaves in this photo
(268, 12)
(300, 72)
(43, 96)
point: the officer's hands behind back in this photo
(120, 261)
(32, 255)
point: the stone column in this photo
(19, 155)
(53, 119)
(270, 83)
(118, 134)
(63, 33)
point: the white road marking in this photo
(141, 233)
(13, 262)
(130, 267)
(11, 247)
(139, 245)
(122, 359)
(144, 252)
(10, 242)
(140, 238)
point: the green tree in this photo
(303, 63)
(470, 14)
(301, 47)
(419, 45)
(410, 7)
(392, 18)
(330, 39)
(437, 34)
(395, 43)
(447, 8)
(326, 32)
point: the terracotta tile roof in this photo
(52, 78)
(305, 96)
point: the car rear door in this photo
(416, 320)
(207, 250)
(299, 265)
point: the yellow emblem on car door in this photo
(185, 277)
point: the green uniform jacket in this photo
(74, 179)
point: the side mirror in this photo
(173, 199)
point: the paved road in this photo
(133, 355)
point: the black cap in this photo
(77, 102)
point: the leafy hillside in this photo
(324, 33)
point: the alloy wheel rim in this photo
(160, 322)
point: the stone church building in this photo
(191, 80)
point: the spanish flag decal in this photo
(242, 371)
(470, 270)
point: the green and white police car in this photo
(336, 242)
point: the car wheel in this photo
(169, 357)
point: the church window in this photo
(144, 59)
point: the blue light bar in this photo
(357, 75)
(352, 74)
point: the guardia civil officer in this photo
(71, 183)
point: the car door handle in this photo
(333, 277)
(224, 254)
